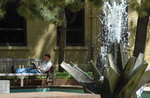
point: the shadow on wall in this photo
(132, 29)
(79, 57)
(148, 33)
(43, 41)
(132, 25)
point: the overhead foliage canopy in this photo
(2, 8)
(48, 10)
(98, 3)
(142, 8)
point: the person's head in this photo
(47, 57)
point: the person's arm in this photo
(45, 67)
(37, 68)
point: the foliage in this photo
(63, 75)
(142, 8)
(89, 74)
(48, 10)
(2, 8)
(98, 3)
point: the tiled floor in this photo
(48, 95)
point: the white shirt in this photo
(45, 66)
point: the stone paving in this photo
(48, 95)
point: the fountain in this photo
(114, 21)
(115, 76)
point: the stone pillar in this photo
(4, 86)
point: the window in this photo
(75, 28)
(12, 28)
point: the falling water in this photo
(114, 21)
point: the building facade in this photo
(22, 38)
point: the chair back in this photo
(51, 70)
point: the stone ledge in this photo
(12, 48)
(74, 48)
(146, 90)
(49, 95)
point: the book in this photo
(34, 65)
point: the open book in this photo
(34, 65)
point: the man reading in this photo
(44, 67)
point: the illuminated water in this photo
(114, 21)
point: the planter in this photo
(67, 82)
(42, 82)
(28, 82)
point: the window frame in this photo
(22, 28)
(74, 29)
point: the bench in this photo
(7, 66)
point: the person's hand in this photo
(37, 68)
